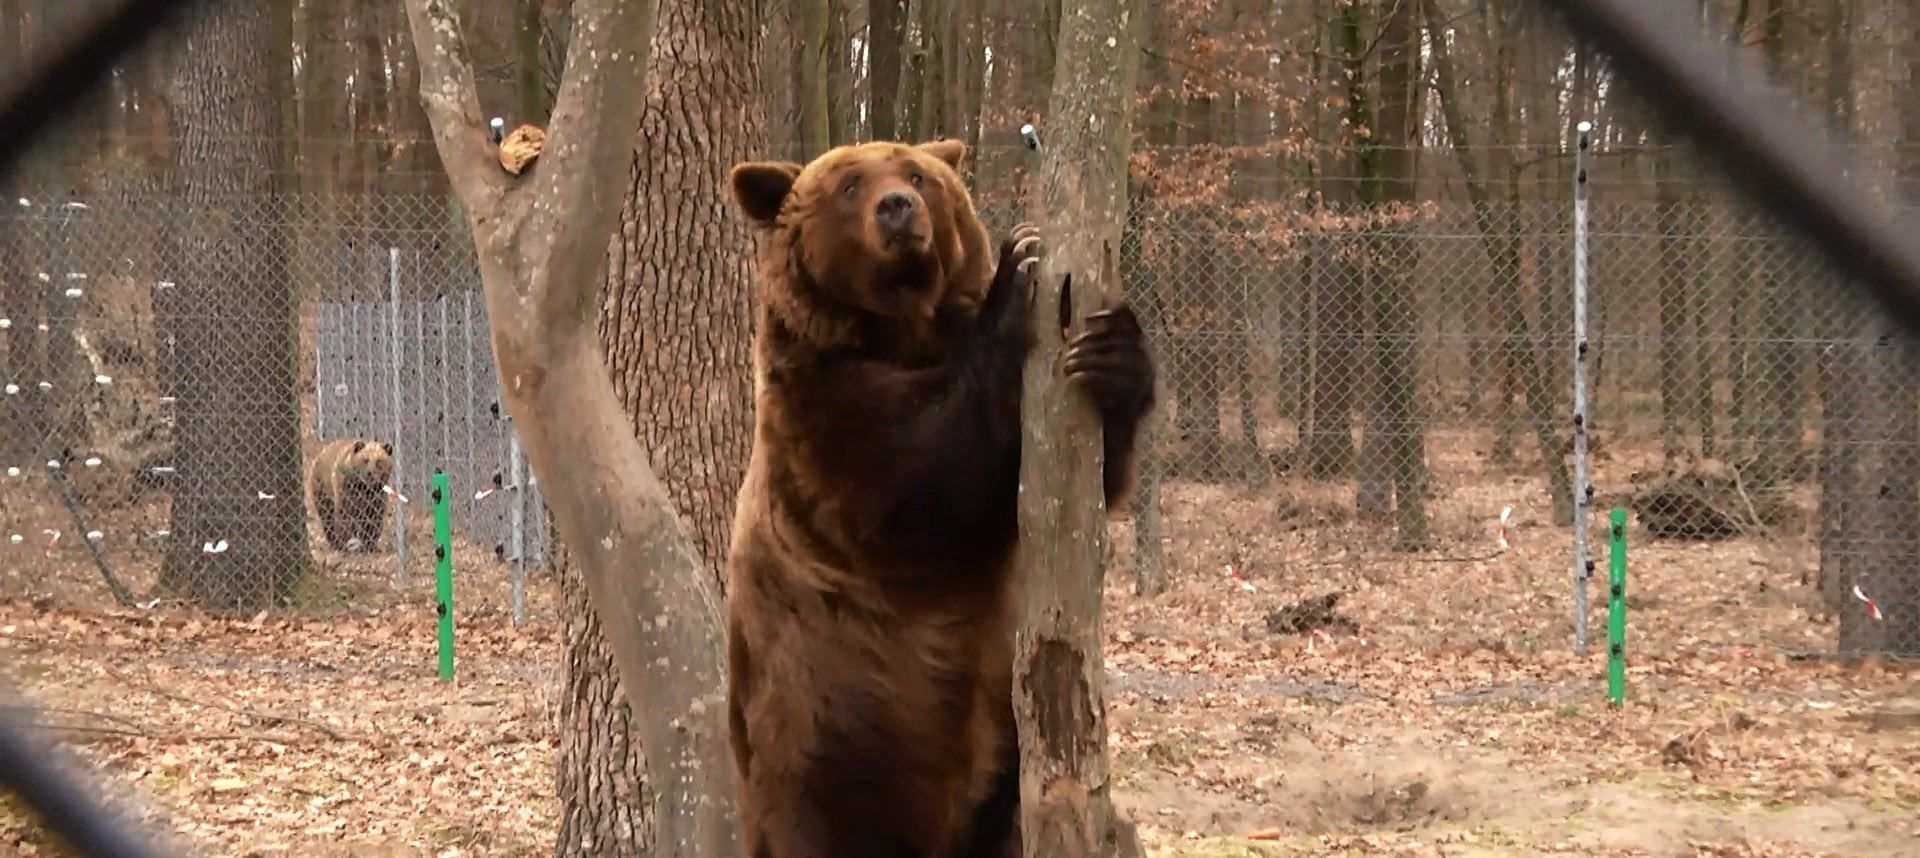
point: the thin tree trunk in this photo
(1840, 396)
(887, 32)
(1327, 438)
(1521, 362)
(1397, 388)
(676, 328)
(1059, 677)
(239, 524)
(816, 120)
(1671, 295)
(1782, 310)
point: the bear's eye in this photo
(850, 187)
(916, 179)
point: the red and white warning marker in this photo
(397, 495)
(483, 493)
(1234, 573)
(1873, 608)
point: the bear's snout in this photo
(894, 213)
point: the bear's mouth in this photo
(909, 241)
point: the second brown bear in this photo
(346, 483)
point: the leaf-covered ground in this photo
(1454, 720)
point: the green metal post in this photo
(443, 571)
(1617, 608)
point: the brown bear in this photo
(346, 483)
(869, 616)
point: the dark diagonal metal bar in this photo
(1770, 147)
(90, 37)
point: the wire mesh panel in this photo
(340, 361)
(1358, 393)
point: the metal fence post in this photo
(516, 523)
(1582, 483)
(400, 453)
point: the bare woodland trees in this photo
(542, 241)
(676, 315)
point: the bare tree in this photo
(542, 240)
(1059, 675)
(676, 326)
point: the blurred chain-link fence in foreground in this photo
(1380, 386)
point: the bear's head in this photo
(369, 463)
(886, 228)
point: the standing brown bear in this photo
(346, 483)
(870, 621)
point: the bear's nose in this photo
(894, 211)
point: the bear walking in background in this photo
(869, 617)
(346, 483)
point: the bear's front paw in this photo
(1005, 309)
(1110, 359)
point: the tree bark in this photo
(887, 28)
(237, 414)
(676, 325)
(1326, 437)
(816, 118)
(542, 239)
(1059, 674)
(1397, 438)
(1519, 360)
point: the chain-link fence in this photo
(242, 404)
(1382, 385)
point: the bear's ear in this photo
(948, 150)
(759, 187)
(359, 445)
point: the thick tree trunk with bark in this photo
(676, 327)
(542, 239)
(1059, 674)
(237, 416)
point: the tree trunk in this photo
(676, 329)
(816, 120)
(1888, 461)
(1782, 310)
(1397, 438)
(542, 239)
(887, 29)
(1327, 437)
(1840, 397)
(1671, 296)
(239, 524)
(1059, 674)
(1519, 360)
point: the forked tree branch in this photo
(542, 242)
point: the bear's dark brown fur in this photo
(346, 483)
(869, 617)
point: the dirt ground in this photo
(1453, 719)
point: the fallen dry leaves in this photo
(1456, 721)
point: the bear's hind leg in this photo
(994, 830)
